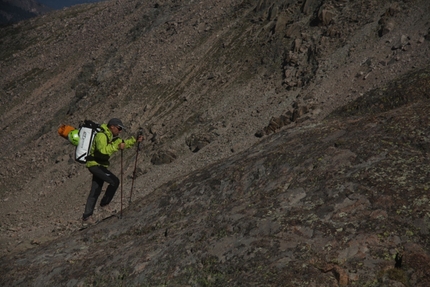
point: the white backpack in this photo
(87, 131)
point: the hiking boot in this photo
(107, 210)
(90, 220)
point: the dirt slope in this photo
(241, 163)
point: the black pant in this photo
(100, 175)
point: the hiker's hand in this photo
(140, 138)
(121, 146)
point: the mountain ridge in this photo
(15, 11)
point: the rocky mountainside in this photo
(286, 144)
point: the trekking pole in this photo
(122, 173)
(139, 133)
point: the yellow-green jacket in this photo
(104, 145)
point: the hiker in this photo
(106, 142)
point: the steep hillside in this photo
(262, 162)
(339, 203)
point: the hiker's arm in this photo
(130, 142)
(104, 147)
(122, 144)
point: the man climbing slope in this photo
(106, 143)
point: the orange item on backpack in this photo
(64, 130)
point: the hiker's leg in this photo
(111, 189)
(96, 189)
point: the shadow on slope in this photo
(411, 88)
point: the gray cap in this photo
(116, 122)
